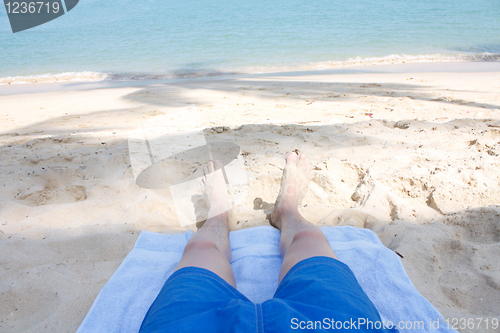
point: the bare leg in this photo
(300, 239)
(209, 248)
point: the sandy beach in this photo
(409, 151)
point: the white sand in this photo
(412, 156)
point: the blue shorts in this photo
(318, 294)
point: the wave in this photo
(103, 76)
(59, 77)
(196, 73)
(395, 59)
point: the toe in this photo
(305, 164)
(218, 164)
(292, 157)
(210, 167)
(304, 161)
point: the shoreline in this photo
(398, 67)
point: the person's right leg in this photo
(300, 239)
(201, 294)
(209, 247)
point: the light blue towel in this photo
(123, 302)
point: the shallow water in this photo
(162, 39)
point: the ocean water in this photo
(127, 39)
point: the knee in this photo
(200, 246)
(310, 243)
(309, 235)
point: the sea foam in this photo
(393, 59)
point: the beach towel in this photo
(124, 300)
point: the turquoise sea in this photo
(128, 39)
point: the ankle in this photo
(221, 220)
(289, 217)
(284, 210)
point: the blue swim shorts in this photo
(319, 294)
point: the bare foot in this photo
(215, 189)
(296, 177)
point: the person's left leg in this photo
(209, 247)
